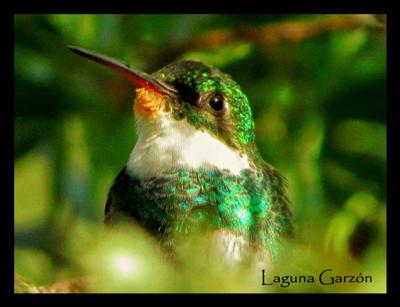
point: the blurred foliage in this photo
(317, 84)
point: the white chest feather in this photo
(166, 144)
(235, 248)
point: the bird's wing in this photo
(121, 199)
(280, 204)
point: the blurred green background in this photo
(317, 85)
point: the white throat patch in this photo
(165, 144)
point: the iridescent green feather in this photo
(183, 201)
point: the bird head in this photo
(188, 90)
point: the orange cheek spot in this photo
(148, 102)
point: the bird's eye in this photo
(216, 102)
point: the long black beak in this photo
(136, 77)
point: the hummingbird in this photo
(195, 166)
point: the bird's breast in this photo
(189, 201)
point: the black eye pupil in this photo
(217, 102)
